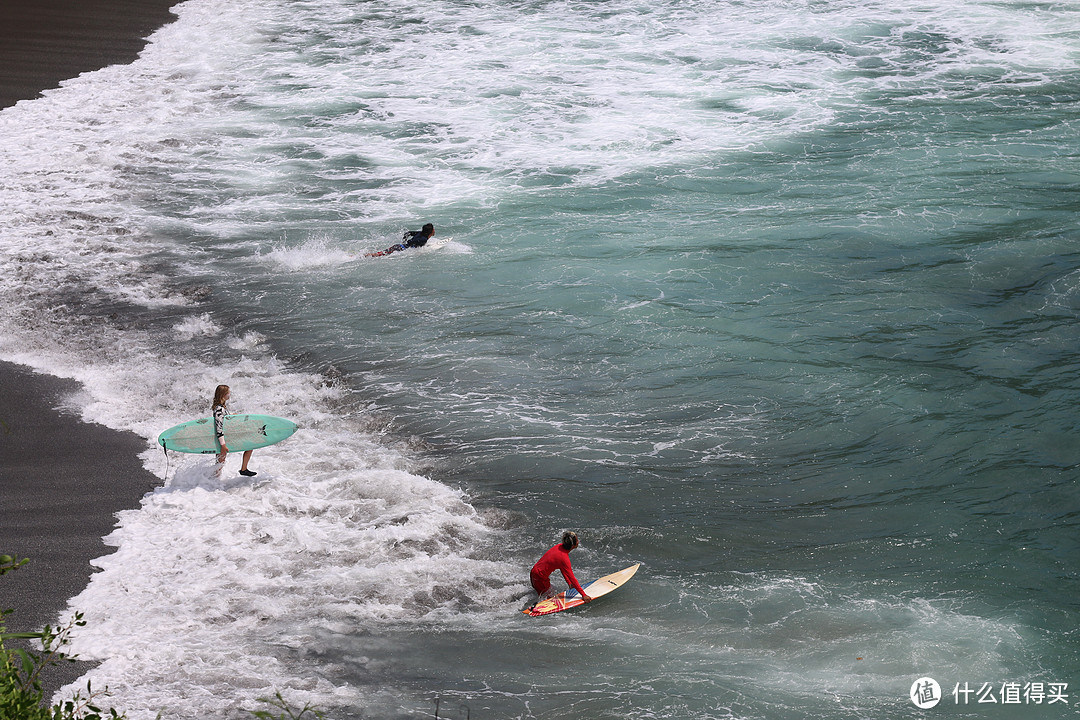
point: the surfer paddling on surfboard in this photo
(411, 239)
(557, 558)
(221, 396)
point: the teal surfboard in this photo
(242, 432)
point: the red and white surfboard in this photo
(571, 598)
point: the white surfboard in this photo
(571, 598)
(433, 244)
(436, 243)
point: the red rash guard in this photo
(554, 559)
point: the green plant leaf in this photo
(21, 636)
(26, 659)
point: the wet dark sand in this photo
(62, 481)
(45, 41)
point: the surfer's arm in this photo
(572, 581)
(219, 427)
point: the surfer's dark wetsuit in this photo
(411, 239)
(414, 238)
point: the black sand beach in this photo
(61, 480)
(45, 41)
(61, 483)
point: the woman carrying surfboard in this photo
(557, 558)
(221, 397)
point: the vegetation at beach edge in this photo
(21, 693)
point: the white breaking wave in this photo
(219, 588)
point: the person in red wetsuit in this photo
(557, 558)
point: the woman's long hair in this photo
(220, 395)
(569, 541)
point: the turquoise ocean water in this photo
(778, 299)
